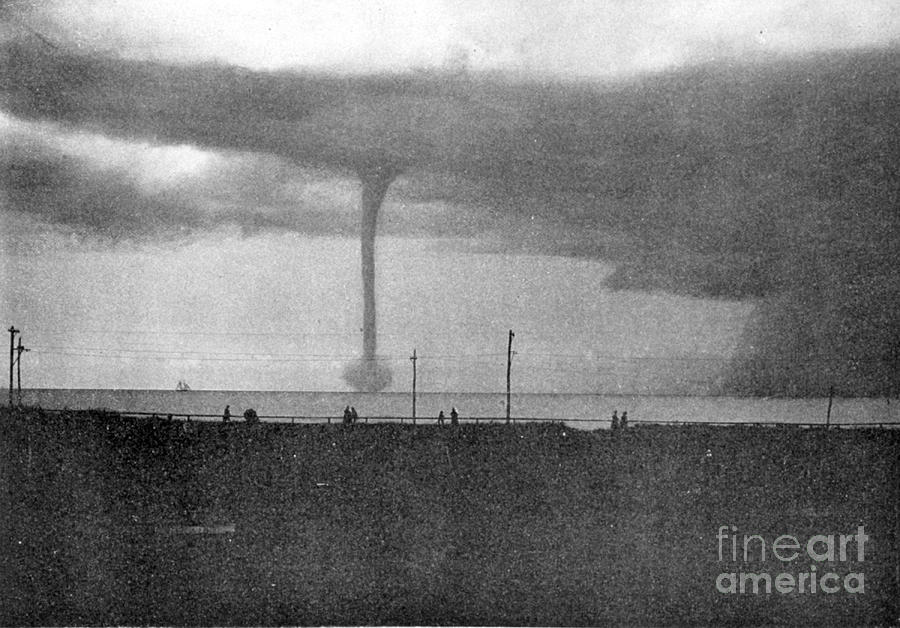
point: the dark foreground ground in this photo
(395, 524)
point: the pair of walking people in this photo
(619, 423)
(454, 417)
(350, 415)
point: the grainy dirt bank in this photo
(107, 520)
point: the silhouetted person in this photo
(441, 417)
(615, 421)
(353, 416)
(226, 416)
(348, 417)
(624, 419)
(454, 416)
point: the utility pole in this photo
(20, 350)
(12, 357)
(830, 399)
(508, 368)
(413, 359)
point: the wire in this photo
(158, 332)
(597, 356)
(470, 359)
(68, 350)
(247, 358)
(51, 349)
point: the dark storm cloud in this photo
(100, 187)
(70, 190)
(773, 180)
(726, 162)
(64, 190)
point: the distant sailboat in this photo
(182, 386)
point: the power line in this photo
(462, 356)
(259, 358)
(70, 350)
(157, 332)
(594, 357)
(192, 332)
(470, 359)
(139, 348)
(52, 349)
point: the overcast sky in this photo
(570, 38)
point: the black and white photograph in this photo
(450, 312)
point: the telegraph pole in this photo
(508, 368)
(20, 350)
(12, 357)
(413, 359)
(830, 399)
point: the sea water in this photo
(567, 407)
